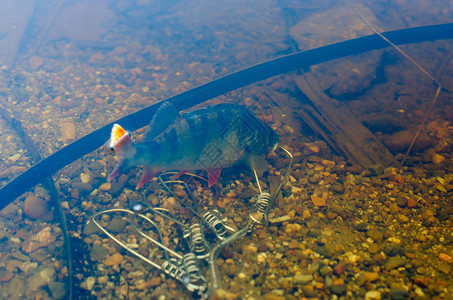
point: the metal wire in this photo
(187, 267)
(197, 241)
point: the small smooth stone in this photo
(84, 177)
(280, 219)
(117, 225)
(156, 281)
(105, 186)
(35, 62)
(98, 252)
(395, 262)
(9, 211)
(371, 276)
(397, 294)
(338, 289)
(373, 295)
(68, 132)
(14, 157)
(437, 159)
(373, 249)
(34, 207)
(318, 201)
(114, 259)
(82, 187)
(339, 269)
(375, 234)
(303, 279)
(90, 283)
(401, 201)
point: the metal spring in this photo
(216, 224)
(262, 206)
(192, 279)
(263, 203)
(172, 268)
(197, 241)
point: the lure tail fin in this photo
(124, 147)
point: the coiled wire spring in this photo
(197, 242)
(186, 268)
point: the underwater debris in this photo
(187, 266)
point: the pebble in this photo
(40, 278)
(403, 218)
(105, 186)
(18, 255)
(375, 234)
(82, 187)
(411, 203)
(445, 257)
(303, 279)
(279, 219)
(90, 228)
(371, 276)
(339, 269)
(153, 282)
(28, 266)
(7, 277)
(306, 214)
(9, 211)
(374, 248)
(84, 177)
(14, 157)
(394, 208)
(98, 252)
(41, 239)
(89, 283)
(401, 201)
(395, 262)
(114, 259)
(361, 226)
(398, 294)
(318, 201)
(437, 159)
(34, 207)
(68, 132)
(117, 225)
(373, 295)
(35, 62)
(292, 228)
(444, 267)
(331, 215)
(58, 290)
(338, 289)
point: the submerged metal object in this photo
(203, 231)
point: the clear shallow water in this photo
(63, 78)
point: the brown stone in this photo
(318, 201)
(438, 159)
(331, 215)
(156, 281)
(68, 132)
(411, 203)
(7, 277)
(34, 207)
(42, 239)
(35, 62)
(114, 259)
(75, 194)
